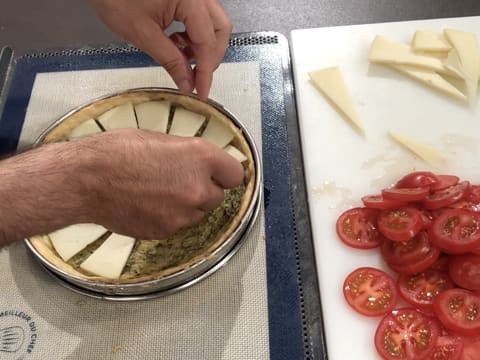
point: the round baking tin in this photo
(184, 278)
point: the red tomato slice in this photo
(441, 263)
(379, 202)
(448, 347)
(445, 181)
(370, 291)
(417, 179)
(418, 266)
(400, 224)
(406, 334)
(406, 194)
(456, 231)
(420, 289)
(357, 228)
(464, 270)
(410, 251)
(459, 310)
(448, 196)
(471, 348)
(474, 194)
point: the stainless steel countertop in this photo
(27, 24)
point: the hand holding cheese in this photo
(142, 23)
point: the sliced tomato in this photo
(370, 291)
(474, 194)
(357, 228)
(400, 224)
(441, 263)
(459, 310)
(420, 289)
(417, 179)
(419, 265)
(448, 196)
(456, 231)
(464, 270)
(410, 251)
(379, 202)
(406, 194)
(445, 181)
(471, 201)
(406, 334)
(471, 348)
(448, 347)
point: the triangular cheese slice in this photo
(237, 154)
(330, 82)
(72, 239)
(431, 79)
(430, 41)
(468, 52)
(452, 63)
(185, 122)
(110, 258)
(153, 115)
(217, 133)
(87, 128)
(390, 52)
(427, 153)
(120, 117)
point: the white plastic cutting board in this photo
(341, 166)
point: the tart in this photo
(89, 252)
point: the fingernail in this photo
(185, 86)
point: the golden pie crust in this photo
(60, 132)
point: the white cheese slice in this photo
(72, 239)
(390, 52)
(469, 54)
(110, 258)
(153, 115)
(425, 152)
(237, 154)
(330, 82)
(185, 122)
(217, 133)
(86, 128)
(120, 117)
(425, 40)
(452, 62)
(431, 79)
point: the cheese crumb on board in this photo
(217, 133)
(330, 82)
(431, 79)
(72, 239)
(87, 128)
(466, 45)
(185, 122)
(237, 154)
(110, 258)
(430, 41)
(425, 152)
(153, 115)
(120, 117)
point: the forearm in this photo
(41, 190)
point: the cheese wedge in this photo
(120, 117)
(390, 52)
(452, 62)
(185, 122)
(70, 240)
(430, 41)
(237, 154)
(110, 258)
(427, 153)
(466, 46)
(217, 133)
(87, 128)
(431, 79)
(153, 115)
(330, 82)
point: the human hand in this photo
(142, 23)
(155, 184)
